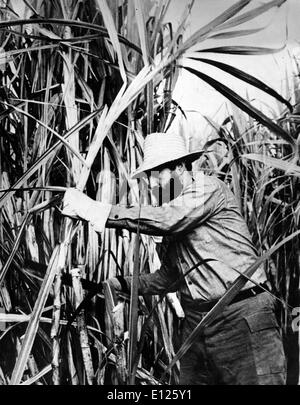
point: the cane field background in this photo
(81, 84)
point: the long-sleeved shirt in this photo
(202, 223)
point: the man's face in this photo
(162, 176)
(165, 183)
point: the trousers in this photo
(242, 346)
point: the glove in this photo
(78, 205)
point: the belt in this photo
(205, 306)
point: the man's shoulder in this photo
(211, 181)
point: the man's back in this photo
(222, 236)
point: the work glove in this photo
(78, 205)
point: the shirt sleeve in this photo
(181, 215)
(161, 281)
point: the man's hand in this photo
(76, 204)
(114, 283)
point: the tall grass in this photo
(79, 91)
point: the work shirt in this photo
(202, 223)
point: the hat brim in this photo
(148, 167)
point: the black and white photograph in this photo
(149, 195)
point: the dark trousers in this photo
(243, 346)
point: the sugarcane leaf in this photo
(250, 15)
(181, 25)
(35, 13)
(15, 246)
(141, 23)
(287, 166)
(235, 34)
(10, 54)
(246, 77)
(203, 32)
(70, 23)
(242, 50)
(113, 35)
(159, 17)
(57, 40)
(212, 123)
(243, 104)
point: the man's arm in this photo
(181, 215)
(165, 279)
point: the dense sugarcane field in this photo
(81, 85)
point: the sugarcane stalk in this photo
(33, 369)
(2, 323)
(119, 328)
(164, 333)
(133, 313)
(5, 297)
(55, 330)
(81, 326)
(72, 368)
(19, 341)
(115, 321)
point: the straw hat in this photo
(161, 148)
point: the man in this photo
(243, 344)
